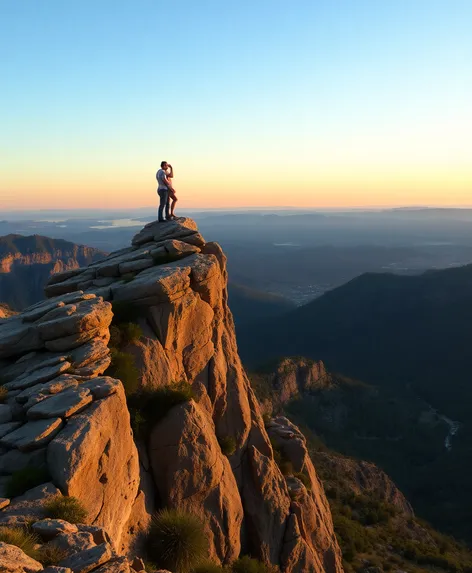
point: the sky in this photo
(307, 103)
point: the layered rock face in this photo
(174, 285)
(60, 417)
(27, 263)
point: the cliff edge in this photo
(209, 454)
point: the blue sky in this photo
(354, 102)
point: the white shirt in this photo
(161, 177)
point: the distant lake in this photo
(114, 223)
(287, 245)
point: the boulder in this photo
(266, 506)
(94, 459)
(39, 376)
(116, 565)
(64, 404)
(193, 475)
(32, 435)
(13, 560)
(49, 528)
(74, 541)
(87, 560)
(29, 506)
(179, 228)
(14, 460)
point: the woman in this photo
(172, 195)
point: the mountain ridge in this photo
(27, 262)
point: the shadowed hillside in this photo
(384, 329)
(249, 305)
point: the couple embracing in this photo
(166, 192)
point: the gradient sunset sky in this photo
(314, 103)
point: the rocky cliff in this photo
(27, 263)
(210, 454)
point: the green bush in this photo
(148, 406)
(352, 536)
(130, 332)
(115, 337)
(247, 564)
(51, 554)
(304, 479)
(177, 541)
(21, 538)
(227, 445)
(3, 394)
(67, 508)
(123, 366)
(208, 567)
(25, 479)
(286, 467)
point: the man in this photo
(164, 189)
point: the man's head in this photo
(163, 164)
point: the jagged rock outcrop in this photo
(75, 421)
(365, 478)
(60, 416)
(201, 481)
(290, 378)
(309, 503)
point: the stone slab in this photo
(32, 435)
(64, 404)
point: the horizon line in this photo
(242, 208)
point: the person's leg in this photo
(173, 197)
(163, 202)
(167, 206)
(172, 206)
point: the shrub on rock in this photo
(26, 541)
(247, 564)
(227, 445)
(51, 554)
(209, 567)
(67, 508)
(304, 479)
(123, 366)
(130, 332)
(177, 541)
(25, 479)
(149, 406)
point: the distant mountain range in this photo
(409, 337)
(384, 329)
(26, 263)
